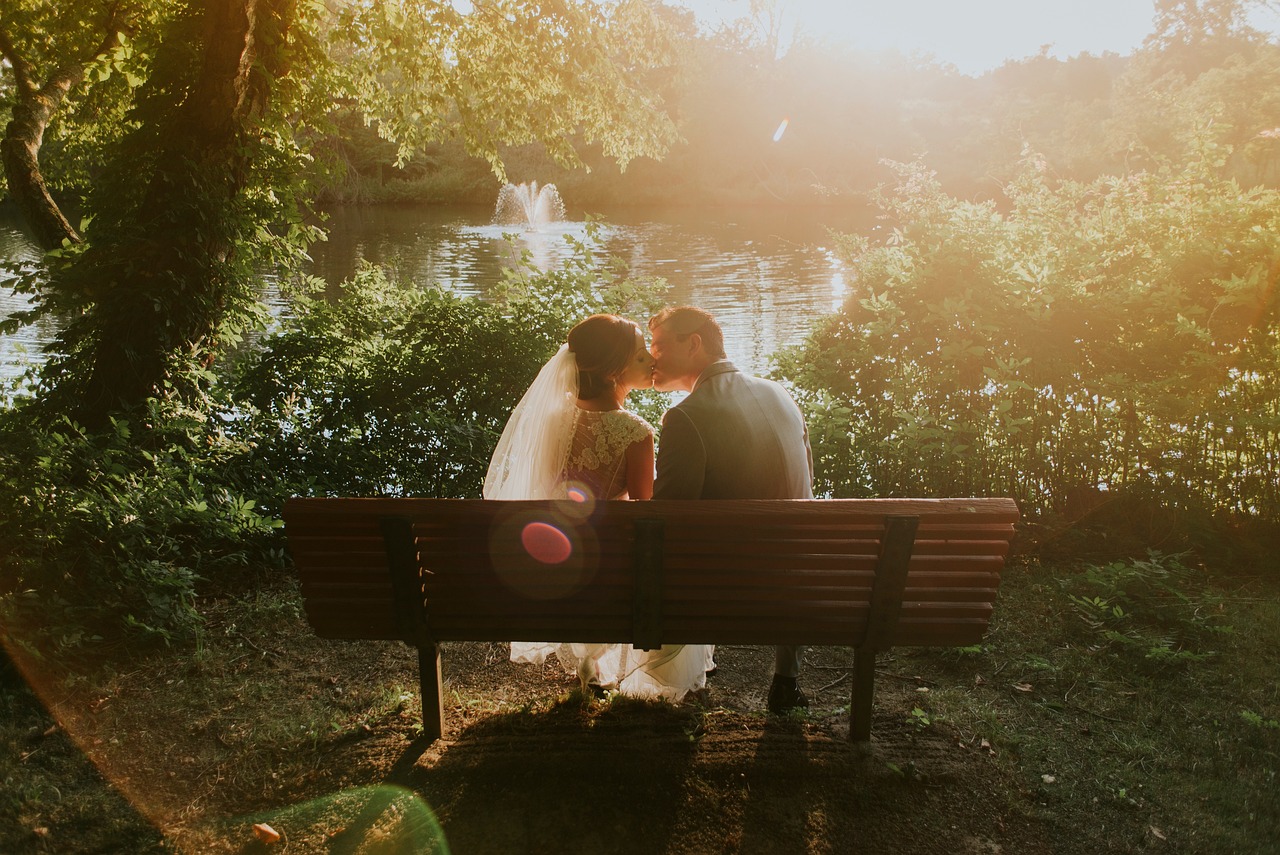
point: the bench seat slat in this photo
(819, 609)
(469, 551)
(345, 574)
(448, 597)
(833, 519)
(816, 612)
(841, 547)
(935, 563)
(331, 526)
(710, 537)
(844, 594)
(730, 532)
(728, 630)
(325, 542)
(923, 584)
(835, 547)
(349, 589)
(373, 561)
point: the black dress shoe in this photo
(597, 691)
(785, 695)
(711, 673)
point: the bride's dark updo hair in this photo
(602, 345)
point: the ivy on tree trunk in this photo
(156, 279)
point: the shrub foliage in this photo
(398, 390)
(109, 533)
(1122, 334)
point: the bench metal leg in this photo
(432, 691)
(882, 619)
(864, 687)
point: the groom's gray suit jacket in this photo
(734, 437)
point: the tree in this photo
(1202, 66)
(161, 268)
(509, 72)
(48, 48)
(1192, 36)
(1121, 333)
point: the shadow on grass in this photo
(566, 777)
(635, 777)
(53, 799)
(555, 776)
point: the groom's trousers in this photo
(786, 661)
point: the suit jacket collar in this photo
(715, 369)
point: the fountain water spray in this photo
(528, 205)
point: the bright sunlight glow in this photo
(975, 35)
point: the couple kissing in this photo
(734, 436)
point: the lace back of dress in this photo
(597, 455)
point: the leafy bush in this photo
(399, 390)
(1120, 334)
(1157, 608)
(109, 534)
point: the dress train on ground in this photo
(668, 673)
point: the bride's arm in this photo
(639, 465)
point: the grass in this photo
(1123, 731)
(51, 797)
(1113, 741)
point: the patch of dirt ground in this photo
(320, 741)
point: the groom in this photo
(734, 437)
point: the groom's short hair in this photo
(684, 321)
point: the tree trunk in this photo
(33, 108)
(20, 151)
(166, 278)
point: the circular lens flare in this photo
(545, 543)
(581, 501)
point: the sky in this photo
(973, 35)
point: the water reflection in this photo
(839, 285)
(765, 274)
(16, 245)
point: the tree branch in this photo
(21, 68)
(66, 76)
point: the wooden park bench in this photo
(870, 574)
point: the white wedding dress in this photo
(549, 447)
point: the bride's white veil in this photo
(530, 458)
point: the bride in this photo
(571, 431)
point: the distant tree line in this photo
(1201, 67)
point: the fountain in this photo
(528, 205)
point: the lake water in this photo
(766, 275)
